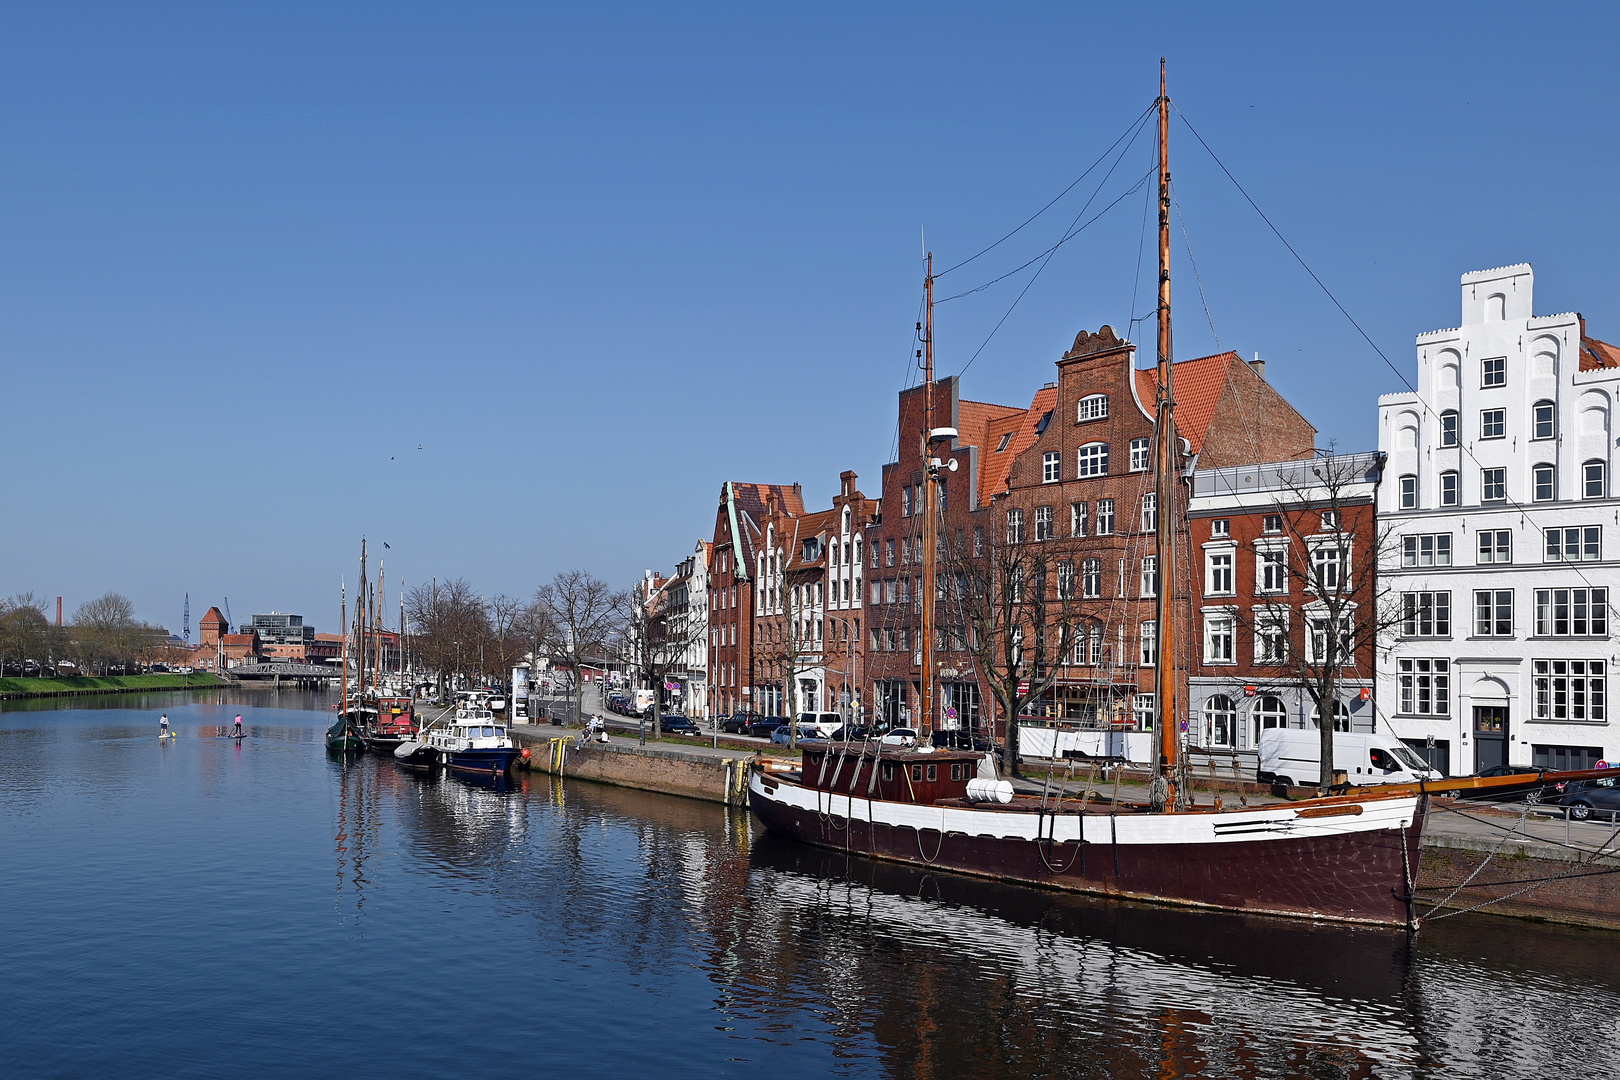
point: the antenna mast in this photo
(1164, 498)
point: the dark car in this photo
(1531, 790)
(677, 725)
(765, 726)
(736, 724)
(851, 734)
(1584, 799)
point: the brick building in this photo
(733, 557)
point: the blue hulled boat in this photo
(473, 744)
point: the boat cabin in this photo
(903, 775)
(472, 729)
(395, 716)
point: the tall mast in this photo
(360, 622)
(1164, 505)
(926, 631)
(343, 621)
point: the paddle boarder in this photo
(163, 726)
(237, 734)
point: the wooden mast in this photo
(1164, 498)
(925, 632)
(343, 621)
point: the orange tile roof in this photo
(975, 419)
(1021, 425)
(1199, 383)
(213, 618)
(1597, 354)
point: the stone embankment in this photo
(697, 772)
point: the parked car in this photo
(1584, 799)
(851, 734)
(806, 732)
(900, 736)
(677, 725)
(765, 726)
(824, 722)
(736, 724)
(1532, 790)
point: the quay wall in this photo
(711, 777)
(1526, 880)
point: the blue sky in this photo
(597, 259)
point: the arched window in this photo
(1341, 717)
(1220, 720)
(1268, 713)
(1094, 459)
(1093, 407)
(1594, 480)
(1544, 420)
(1448, 428)
(1544, 488)
(1408, 493)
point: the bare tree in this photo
(658, 635)
(105, 631)
(576, 617)
(506, 642)
(1017, 609)
(451, 621)
(26, 633)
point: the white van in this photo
(825, 723)
(1293, 756)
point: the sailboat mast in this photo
(1164, 498)
(925, 632)
(343, 621)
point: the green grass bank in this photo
(107, 684)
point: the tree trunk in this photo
(1324, 717)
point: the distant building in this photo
(212, 627)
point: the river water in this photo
(201, 908)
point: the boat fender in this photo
(525, 753)
(999, 791)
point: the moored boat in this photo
(392, 723)
(473, 743)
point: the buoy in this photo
(525, 753)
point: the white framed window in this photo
(1220, 528)
(1105, 517)
(1142, 709)
(1330, 521)
(1493, 485)
(1328, 566)
(1493, 372)
(1147, 637)
(1050, 466)
(1015, 526)
(1092, 407)
(1078, 518)
(1492, 423)
(1493, 612)
(1268, 713)
(1495, 546)
(1091, 578)
(1448, 428)
(1272, 524)
(1220, 721)
(1219, 632)
(1093, 459)
(1572, 612)
(1150, 515)
(1043, 523)
(1544, 420)
(905, 501)
(1065, 579)
(1571, 690)
(1426, 549)
(1583, 543)
(1426, 614)
(1218, 573)
(1318, 643)
(1096, 656)
(1425, 686)
(1542, 487)
(1271, 569)
(1408, 493)
(1150, 575)
(1271, 636)
(1594, 480)
(978, 542)
(1450, 488)
(1141, 455)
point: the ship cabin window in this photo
(956, 771)
(888, 772)
(933, 772)
(916, 772)
(500, 732)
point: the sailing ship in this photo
(1351, 857)
(345, 737)
(366, 719)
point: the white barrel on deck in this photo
(989, 791)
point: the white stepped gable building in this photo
(1503, 547)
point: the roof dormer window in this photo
(1005, 439)
(1092, 407)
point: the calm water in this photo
(207, 909)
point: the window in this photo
(1065, 579)
(888, 552)
(1049, 467)
(1096, 644)
(1220, 527)
(1218, 634)
(1005, 439)
(1220, 720)
(1448, 428)
(1583, 543)
(1148, 638)
(1272, 523)
(1271, 637)
(1271, 570)
(1493, 373)
(1542, 477)
(1327, 566)
(1150, 516)
(1342, 644)
(1493, 612)
(1218, 573)
(1015, 526)
(1043, 523)
(1142, 710)
(1330, 520)
(1426, 549)
(1105, 517)
(1150, 575)
(1094, 459)
(1543, 421)
(978, 542)
(1592, 480)
(1572, 612)
(1495, 546)
(1408, 493)
(1448, 488)
(1492, 423)
(905, 550)
(1570, 690)
(1091, 578)
(905, 501)
(1492, 485)
(1268, 713)
(1077, 518)
(1094, 407)
(1425, 687)
(1141, 455)
(1426, 614)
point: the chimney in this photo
(58, 611)
(1258, 366)
(848, 479)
